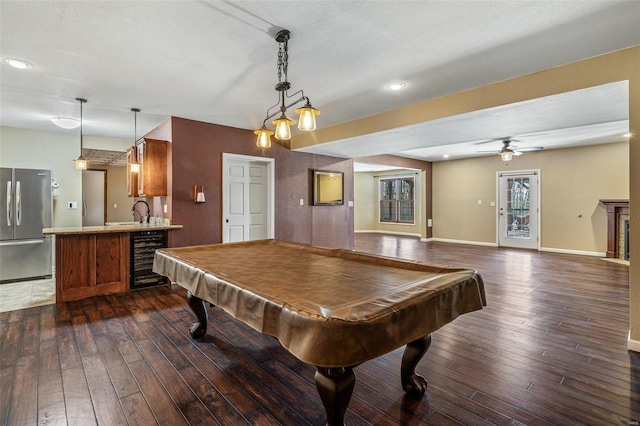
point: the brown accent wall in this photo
(196, 158)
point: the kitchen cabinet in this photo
(95, 260)
(91, 264)
(153, 157)
(132, 176)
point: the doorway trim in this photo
(270, 195)
(500, 174)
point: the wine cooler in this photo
(143, 247)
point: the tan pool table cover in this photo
(329, 308)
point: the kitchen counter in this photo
(96, 260)
(117, 227)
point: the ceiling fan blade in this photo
(488, 141)
(516, 152)
(532, 148)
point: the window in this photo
(397, 200)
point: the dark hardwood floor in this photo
(549, 349)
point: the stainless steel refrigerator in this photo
(26, 208)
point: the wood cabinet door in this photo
(111, 259)
(91, 265)
(75, 262)
(153, 158)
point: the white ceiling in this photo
(215, 61)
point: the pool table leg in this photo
(335, 386)
(197, 329)
(413, 383)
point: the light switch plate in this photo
(72, 205)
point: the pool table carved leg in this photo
(413, 383)
(198, 329)
(335, 386)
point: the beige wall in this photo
(622, 65)
(366, 204)
(32, 149)
(118, 202)
(572, 181)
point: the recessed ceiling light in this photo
(397, 85)
(18, 63)
(446, 156)
(626, 135)
(66, 122)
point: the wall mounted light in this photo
(81, 162)
(283, 123)
(134, 167)
(198, 193)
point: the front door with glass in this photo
(518, 209)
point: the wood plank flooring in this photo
(549, 349)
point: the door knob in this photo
(226, 220)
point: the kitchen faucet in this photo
(133, 209)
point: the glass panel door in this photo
(518, 210)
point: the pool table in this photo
(330, 308)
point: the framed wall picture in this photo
(328, 188)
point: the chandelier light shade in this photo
(134, 167)
(506, 155)
(81, 162)
(264, 137)
(283, 124)
(307, 122)
(283, 128)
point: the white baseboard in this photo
(488, 244)
(473, 243)
(633, 345)
(578, 252)
(406, 234)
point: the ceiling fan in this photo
(508, 151)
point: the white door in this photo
(93, 205)
(518, 209)
(247, 201)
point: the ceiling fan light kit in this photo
(283, 124)
(508, 151)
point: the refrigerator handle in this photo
(18, 204)
(9, 209)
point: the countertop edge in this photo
(112, 229)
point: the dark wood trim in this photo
(615, 208)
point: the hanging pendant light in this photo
(283, 128)
(81, 162)
(283, 124)
(264, 137)
(307, 120)
(134, 167)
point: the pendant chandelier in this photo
(307, 121)
(134, 166)
(81, 162)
